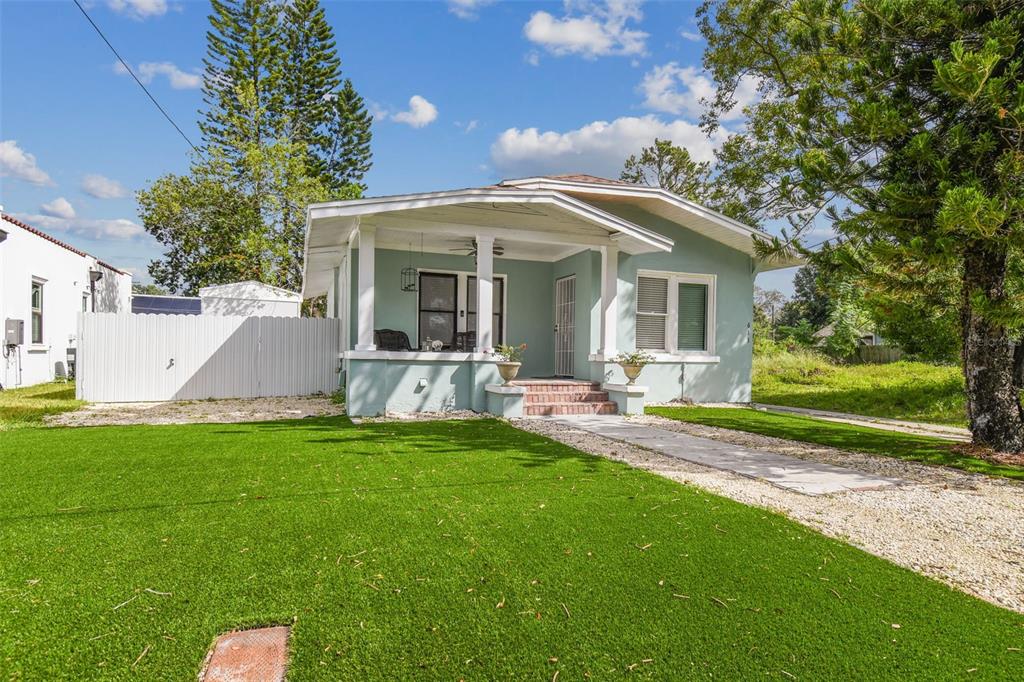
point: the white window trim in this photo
(462, 294)
(671, 348)
(41, 343)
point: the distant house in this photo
(44, 284)
(243, 299)
(250, 299)
(864, 338)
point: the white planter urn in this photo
(631, 372)
(508, 371)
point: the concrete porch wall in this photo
(380, 386)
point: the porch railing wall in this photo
(136, 358)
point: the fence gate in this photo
(129, 357)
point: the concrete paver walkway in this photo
(956, 433)
(791, 473)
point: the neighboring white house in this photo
(44, 284)
(249, 299)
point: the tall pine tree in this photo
(243, 47)
(349, 156)
(280, 131)
(332, 124)
(312, 73)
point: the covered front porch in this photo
(427, 289)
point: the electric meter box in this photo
(14, 332)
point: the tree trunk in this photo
(1018, 366)
(993, 402)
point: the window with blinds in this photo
(651, 312)
(693, 316)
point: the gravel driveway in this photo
(964, 529)
(198, 411)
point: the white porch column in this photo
(609, 300)
(364, 336)
(484, 293)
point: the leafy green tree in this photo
(810, 300)
(208, 229)
(234, 218)
(278, 135)
(902, 122)
(670, 167)
(148, 289)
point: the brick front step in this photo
(566, 396)
(558, 386)
(554, 409)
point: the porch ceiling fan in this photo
(471, 249)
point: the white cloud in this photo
(101, 187)
(692, 36)
(467, 9)
(420, 113)
(597, 29)
(139, 9)
(686, 90)
(468, 127)
(178, 79)
(59, 208)
(599, 148)
(117, 228)
(532, 58)
(17, 163)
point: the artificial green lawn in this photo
(447, 550)
(917, 391)
(20, 407)
(838, 435)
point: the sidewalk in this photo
(955, 433)
(799, 475)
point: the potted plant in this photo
(633, 362)
(509, 361)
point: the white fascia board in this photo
(637, 191)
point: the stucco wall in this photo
(24, 256)
(729, 379)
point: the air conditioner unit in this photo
(14, 332)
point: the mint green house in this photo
(579, 268)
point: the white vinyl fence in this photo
(129, 357)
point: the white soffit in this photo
(510, 214)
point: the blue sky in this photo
(465, 92)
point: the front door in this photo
(565, 324)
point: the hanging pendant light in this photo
(409, 278)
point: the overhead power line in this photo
(132, 73)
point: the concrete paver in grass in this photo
(791, 473)
(259, 655)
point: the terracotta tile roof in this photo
(39, 233)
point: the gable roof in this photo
(64, 245)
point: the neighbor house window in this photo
(675, 312)
(37, 312)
